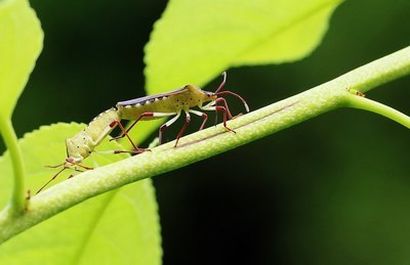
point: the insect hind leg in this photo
(145, 114)
(181, 132)
(166, 125)
(124, 132)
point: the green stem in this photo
(206, 143)
(10, 139)
(359, 102)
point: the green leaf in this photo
(196, 40)
(21, 41)
(119, 227)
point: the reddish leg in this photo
(125, 132)
(161, 132)
(166, 125)
(181, 132)
(225, 116)
(225, 104)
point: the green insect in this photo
(174, 103)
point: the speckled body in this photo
(182, 99)
(83, 143)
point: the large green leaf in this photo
(21, 40)
(120, 227)
(196, 40)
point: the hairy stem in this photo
(210, 142)
(10, 139)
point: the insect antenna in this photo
(236, 95)
(222, 84)
(53, 178)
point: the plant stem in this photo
(10, 139)
(378, 72)
(210, 142)
(359, 102)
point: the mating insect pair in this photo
(174, 103)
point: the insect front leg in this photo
(225, 112)
(225, 105)
(211, 106)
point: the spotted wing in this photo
(143, 100)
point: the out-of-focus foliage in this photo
(119, 227)
(196, 41)
(21, 40)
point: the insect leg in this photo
(213, 107)
(53, 178)
(181, 132)
(124, 133)
(225, 105)
(133, 152)
(84, 167)
(145, 114)
(226, 114)
(166, 125)
(200, 114)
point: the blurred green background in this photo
(333, 190)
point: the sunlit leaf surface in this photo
(21, 40)
(195, 41)
(119, 227)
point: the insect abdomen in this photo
(133, 111)
(101, 125)
(174, 102)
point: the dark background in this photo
(333, 190)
